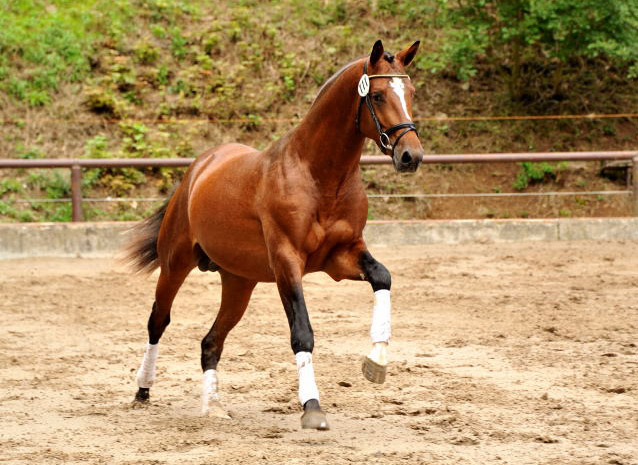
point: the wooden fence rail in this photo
(77, 164)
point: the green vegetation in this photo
(110, 78)
(528, 41)
(42, 46)
(536, 173)
(120, 49)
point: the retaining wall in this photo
(106, 239)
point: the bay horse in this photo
(272, 216)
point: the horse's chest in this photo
(324, 237)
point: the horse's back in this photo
(214, 163)
(214, 157)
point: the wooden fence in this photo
(77, 164)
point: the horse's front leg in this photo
(374, 365)
(355, 262)
(287, 266)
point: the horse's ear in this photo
(377, 52)
(406, 56)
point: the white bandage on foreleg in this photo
(307, 386)
(380, 330)
(210, 386)
(146, 373)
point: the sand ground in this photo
(520, 353)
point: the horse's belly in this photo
(240, 251)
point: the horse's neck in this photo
(327, 139)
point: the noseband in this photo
(364, 92)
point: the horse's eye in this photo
(377, 97)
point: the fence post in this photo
(634, 182)
(76, 193)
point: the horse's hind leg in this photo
(236, 293)
(169, 282)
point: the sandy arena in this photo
(520, 353)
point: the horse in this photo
(297, 207)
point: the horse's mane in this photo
(326, 85)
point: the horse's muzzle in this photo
(408, 161)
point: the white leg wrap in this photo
(307, 386)
(379, 353)
(146, 373)
(209, 389)
(380, 330)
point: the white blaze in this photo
(399, 88)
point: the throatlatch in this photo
(384, 136)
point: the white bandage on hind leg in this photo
(380, 330)
(210, 387)
(307, 386)
(146, 373)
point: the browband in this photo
(388, 76)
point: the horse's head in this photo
(385, 107)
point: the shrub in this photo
(535, 172)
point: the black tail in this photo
(141, 253)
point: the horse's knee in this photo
(301, 335)
(375, 273)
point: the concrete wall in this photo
(62, 239)
(107, 239)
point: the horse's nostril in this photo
(406, 157)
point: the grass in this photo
(47, 44)
(536, 173)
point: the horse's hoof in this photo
(314, 419)
(142, 395)
(215, 409)
(373, 371)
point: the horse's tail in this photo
(141, 253)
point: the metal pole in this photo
(76, 193)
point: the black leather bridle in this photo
(384, 136)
